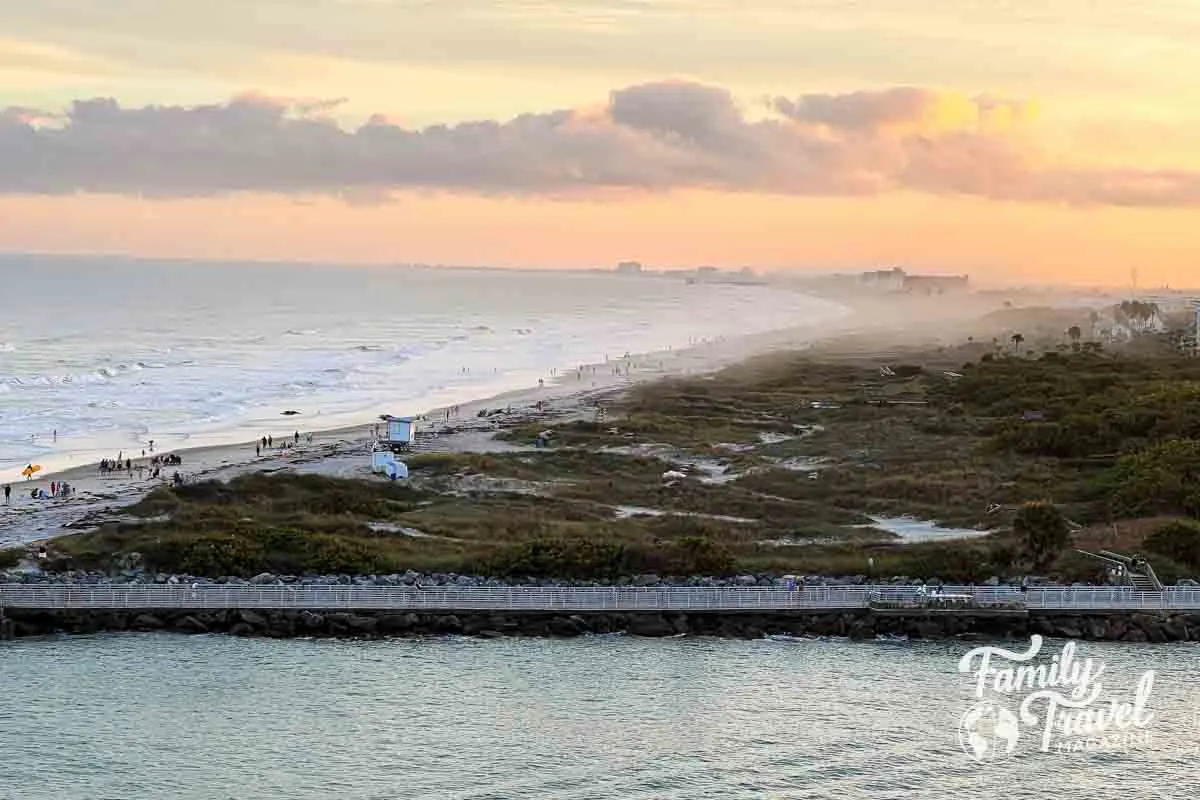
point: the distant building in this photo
(935, 284)
(629, 268)
(897, 280)
(883, 280)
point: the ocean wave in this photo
(98, 375)
(301, 385)
(5, 347)
(209, 373)
(43, 381)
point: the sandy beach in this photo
(344, 451)
(571, 392)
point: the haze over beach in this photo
(185, 355)
(1046, 144)
(630, 399)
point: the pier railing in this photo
(572, 599)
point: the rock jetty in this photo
(859, 625)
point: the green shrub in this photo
(570, 559)
(11, 557)
(1164, 478)
(691, 555)
(1178, 541)
(247, 550)
(607, 559)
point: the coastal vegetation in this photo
(782, 464)
(11, 557)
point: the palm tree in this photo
(1016, 340)
(1043, 531)
(1074, 333)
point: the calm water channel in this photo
(149, 717)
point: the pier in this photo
(970, 600)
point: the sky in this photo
(1014, 141)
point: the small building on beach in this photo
(401, 430)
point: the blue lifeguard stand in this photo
(399, 434)
(401, 430)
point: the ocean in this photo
(152, 716)
(110, 353)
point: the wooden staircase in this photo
(427, 444)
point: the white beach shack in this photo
(398, 438)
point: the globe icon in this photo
(988, 732)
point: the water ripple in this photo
(141, 717)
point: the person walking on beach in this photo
(7, 493)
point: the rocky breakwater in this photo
(860, 625)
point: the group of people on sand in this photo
(118, 464)
(109, 466)
(58, 489)
(61, 489)
(268, 442)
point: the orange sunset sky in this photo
(1016, 141)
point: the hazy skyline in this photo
(987, 137)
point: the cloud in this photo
(905, 108)
(656, 136)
